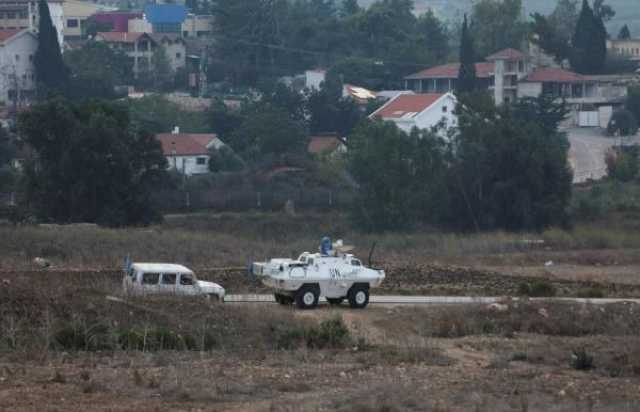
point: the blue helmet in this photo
(325, 245)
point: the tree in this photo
(497, 24)
(96, 69)
(632, 103)
(467, 74)
(90, 165)
(624, 34)
(622, 123)
(156, 114)
(623, 165)
(434, 36)
(509, 169)
(604, 11)
(554, 33)
(267, 130)
(51, 73)
(7, 153)
(330, 112)
(400, 176)
(224, 160)
(161, 71)
(589, 43)
(349, 8)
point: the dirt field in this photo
(64, 347)
(504, 358)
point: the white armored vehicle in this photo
(332, 273)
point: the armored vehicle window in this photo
(310, 261)
(303, 258)
(168, 278)
(186, 280)
(356, 262)
(150, 278)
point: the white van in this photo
(167, 278)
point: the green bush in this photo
(622, 123)
(537, 288)
(623, 166)
(581, 360)
(330, 333)
(591, 293)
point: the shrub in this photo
(537, 288)
(581, 360)
(623, 166)
(592, 292)
(330, 333)
(622, 123)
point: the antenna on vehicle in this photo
(373, 247)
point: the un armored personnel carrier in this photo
(332, 273)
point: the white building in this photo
(423, 111)
(23, 14)
(17, 72)
(188, 153)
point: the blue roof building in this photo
(165, 18)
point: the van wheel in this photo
(358, 297)
(307, 297)
(335, 301)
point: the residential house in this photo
(499, 74)
(165, 18)
(591, 98)
(326, 144)
(188, 153)
(197, 25)
(629, 48)
(76, 13)
(423, 111)
(139, 47)
(117, 21)
(17, 72)
(175, 48)
(23, 14)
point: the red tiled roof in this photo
(554, 75)
(120, 36)
(450, 71)
(319, 144)
(7, 34)
(406, 103)
(507, 54)
(184, 144)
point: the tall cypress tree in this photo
(467, 73)
(51, 73)
(624, 33)
(589, 42)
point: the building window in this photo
(72, 23)
(444, 109)
(24, 15)
(520, 66)
(178, 56)
(201, 161)
(17, 57)
(31, 57)
(11, 15)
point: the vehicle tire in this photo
(307, 297)
(278, 298)
(358, 297)
(215, 298)
(335, 301)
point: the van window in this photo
(150, 278)
(186, 280)
(168, 278)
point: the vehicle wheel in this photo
(335, 301)
(215, 298)
(358, 297)
(307, 297)
(278, 298)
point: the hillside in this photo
(627, 11)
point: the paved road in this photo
(587, 152)
(427, 300)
